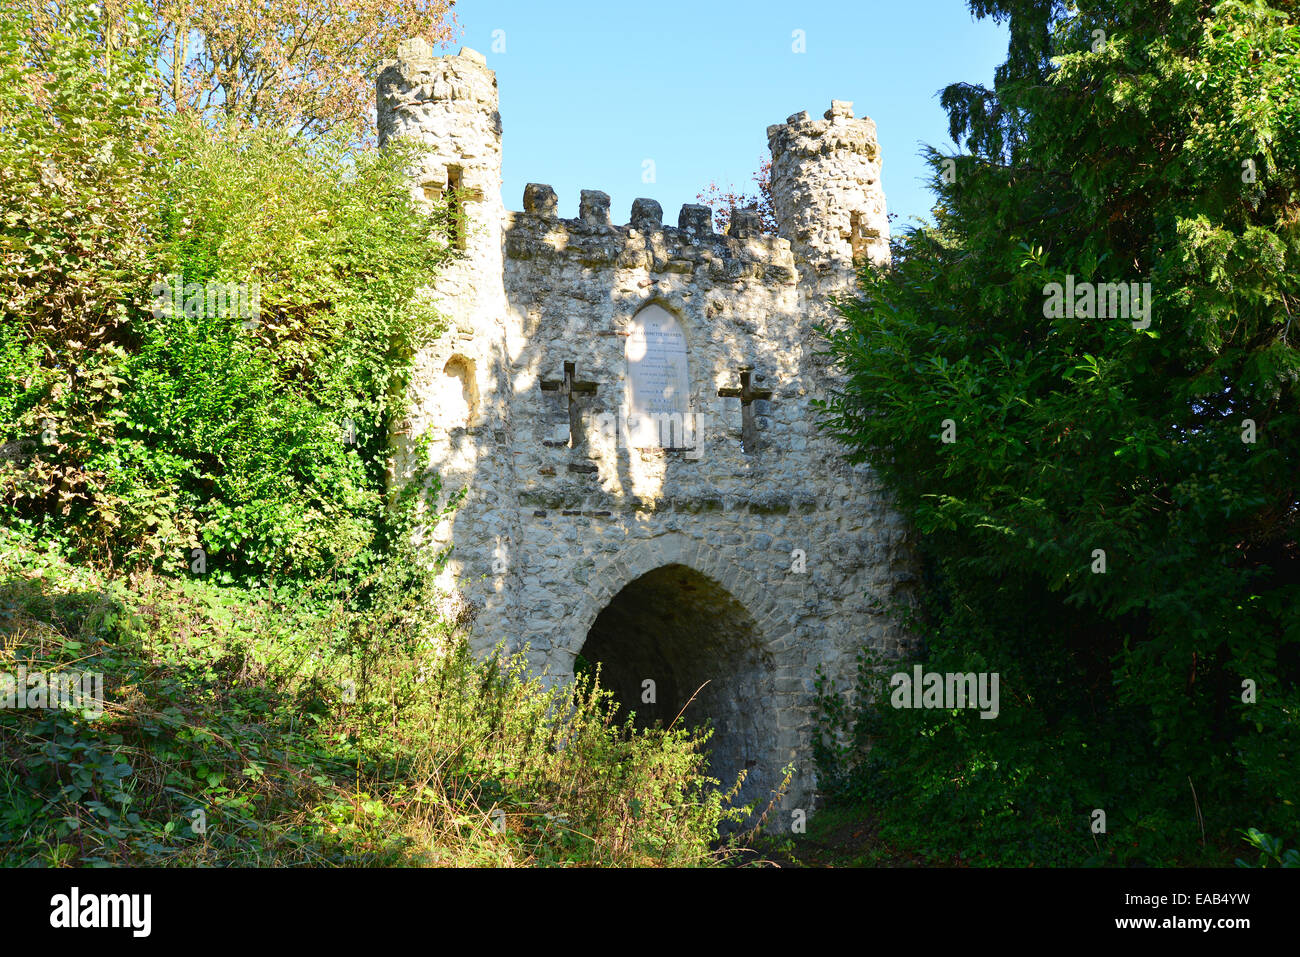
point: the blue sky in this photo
(591, 90)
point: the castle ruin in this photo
(629, 412)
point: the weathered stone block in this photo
(696, 219)
(745, 223)
(540, 199)
(647, 215)
(593, 207)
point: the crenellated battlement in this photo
(826, 189)
(647, 215)
(827, 194)
(838, 130)
(421, 95)
(645, 242)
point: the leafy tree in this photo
(1107, 505)
(308, 66)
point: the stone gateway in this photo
(630, 414)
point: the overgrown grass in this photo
(294, 727)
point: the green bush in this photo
(140, 433)
(1167, 154)
(79, 180)
(1271, 851)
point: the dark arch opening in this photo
(683, 630)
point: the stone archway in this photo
(674, 614)
(676, 643)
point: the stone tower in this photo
(827, 194)
(458, 391)
(628, 411)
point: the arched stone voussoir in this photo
(611, 577)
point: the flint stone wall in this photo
(788, 548)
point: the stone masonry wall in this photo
(752, 560)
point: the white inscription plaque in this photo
(658, 383)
